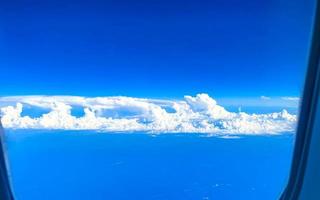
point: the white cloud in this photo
(290, 98)
(199, 114)
(265, 98)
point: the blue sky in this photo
(158, 49)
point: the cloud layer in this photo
(199, 114)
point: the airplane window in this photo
(154, 100)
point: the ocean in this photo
(81, 165)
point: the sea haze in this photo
(93, 165)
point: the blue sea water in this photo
(81, 165)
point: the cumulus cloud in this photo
(198, 114)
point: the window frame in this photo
(307, 130)
(5, 186)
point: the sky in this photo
(154, 49)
